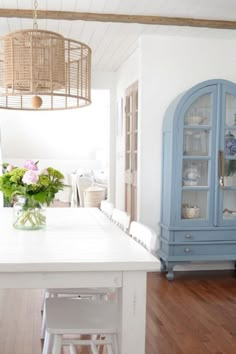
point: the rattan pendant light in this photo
(43, 70)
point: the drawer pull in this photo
(187, 250)
(188, 236)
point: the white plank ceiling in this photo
(113, 43)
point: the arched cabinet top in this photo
(173, 111)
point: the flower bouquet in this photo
(28, 189)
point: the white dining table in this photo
(81, 247)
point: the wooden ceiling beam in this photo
(122, 18)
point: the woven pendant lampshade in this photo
(43, 70)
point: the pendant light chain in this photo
(35, 24)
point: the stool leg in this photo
(43, 301)
(57, 344)
(114, 344)
(47, 345)
(43, 325)
(94, 348)
(72, 349)
(109, 349)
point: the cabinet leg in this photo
(170, 274)
(163, 266)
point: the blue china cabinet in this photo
(198, 212)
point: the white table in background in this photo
(80, 247)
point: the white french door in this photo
(131, 150)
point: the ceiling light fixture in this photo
(43, 70)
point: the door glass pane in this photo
(194, 204)
(128, 123)
(128, 107)
(135, 157)
(136, 99)
(195, 173)
(230, 114)
(135, 141)
(229, 204)
(127, 161)
(128, 141)
(196, 142)
(136, 120)
(199, 113)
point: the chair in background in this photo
(76, 317)
(143, 235)
(107, 208)
(121, 218)
(82, 184)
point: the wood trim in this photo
(124, 18)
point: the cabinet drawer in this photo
(208, 249)
(204, 235)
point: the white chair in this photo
(107, 208)
(121, 218)
(92, 294)
(82, 184)
(96, 293)
(143, 235)
(76, 317)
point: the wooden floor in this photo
(194, 314)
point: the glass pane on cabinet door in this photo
(230, 113)
(229, 173)
(194, 204)
(199, 112)
(230, 143)
(196, 142)
(195, 173)
(229, 204)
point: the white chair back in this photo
(107, 208)
(121, 218)
(82, 184)
(143, 235)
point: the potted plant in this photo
(28, 189)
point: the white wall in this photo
(165, 66)
(125, 77)
(169, 66)
(106, 80)
(73, 135)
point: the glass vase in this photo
(28, 214)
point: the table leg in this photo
(132, 303)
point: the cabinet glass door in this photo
(196, 160)
(227, 164)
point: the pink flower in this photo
(10, 168)
(30, 165)
(30, 177)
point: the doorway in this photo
(131, 149)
